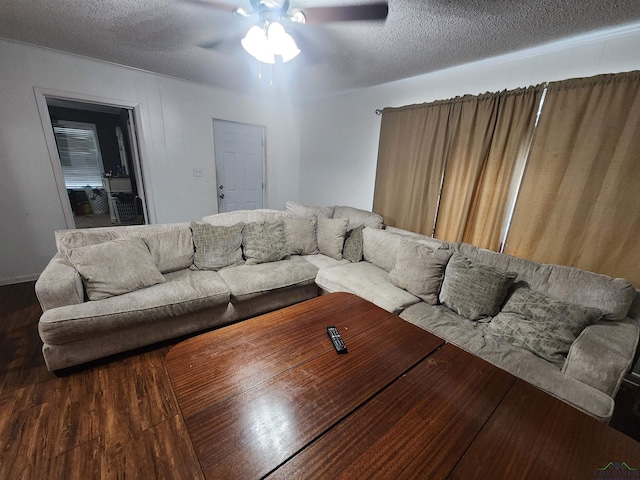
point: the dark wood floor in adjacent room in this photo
(117, 419)
(111, 420)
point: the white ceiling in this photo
(419, 36)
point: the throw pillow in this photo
(474, 290)
(301, 235)
(352, 250)
(115, 267)
(171, 250)
(541, 324)
(419, 270)
(331, 232)
(216, 247)
(264, 242)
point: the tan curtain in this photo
(579, 203)
(501, 170)
(474, 122)
(411, 156)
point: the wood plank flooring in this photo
(114, 420)
(111, 420)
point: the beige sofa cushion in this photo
(296, 209)
(419, 270)
(185, 291)
(115, 267)
(243, 216)
(380, 247)
(613, 296)
(331, 233)
(301, 235)
(472, 289)
(245, 281)
(352, 250)
(171, 250)
(357, 217)
(367, 281)
(264, 242)
(216, 246)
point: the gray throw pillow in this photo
(474, 290)
(264, 242)
(331, 232)
(541, 324)
(301, 235)
(420, 269)
(216, 247)
(352, 250)
(115, 267)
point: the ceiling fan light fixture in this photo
(257, 45)
(265, 43)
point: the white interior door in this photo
(239, 153)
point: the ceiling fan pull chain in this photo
(259, 69)
(270, 75)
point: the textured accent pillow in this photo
(419, 270)
(474, 290)
(115, 267)
(171, 250)
(352, 250)
(301, 235)
(541, 324)
(331, 232)
(264, 242)
(216, 247)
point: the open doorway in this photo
(97, 163)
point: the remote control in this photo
(335, 337)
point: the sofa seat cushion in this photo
(185, 291)
(520, 362)
(245, 281)
(324, 261)
(367, 281)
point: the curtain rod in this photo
(378, 111)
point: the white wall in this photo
(177, 133)
(340, 134)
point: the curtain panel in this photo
(579, 203)
(411, 157)
(446, 168)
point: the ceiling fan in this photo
(268, 39)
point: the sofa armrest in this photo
(59, 284)
(603, 353)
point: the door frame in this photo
(144, 186)
(264, 157)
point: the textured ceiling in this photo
(419, 36)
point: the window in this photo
(79, 154)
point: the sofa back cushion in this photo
(357, 217)
(613, 296)
(296, 209)
(380, 247)
(171, 250)
(244, 216)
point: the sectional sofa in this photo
(570, 332)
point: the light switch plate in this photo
(198, 172)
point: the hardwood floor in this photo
(118, 419)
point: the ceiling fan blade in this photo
(212, 3)
(372, 11)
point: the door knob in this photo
(221, 195)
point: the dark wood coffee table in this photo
(271, 397)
